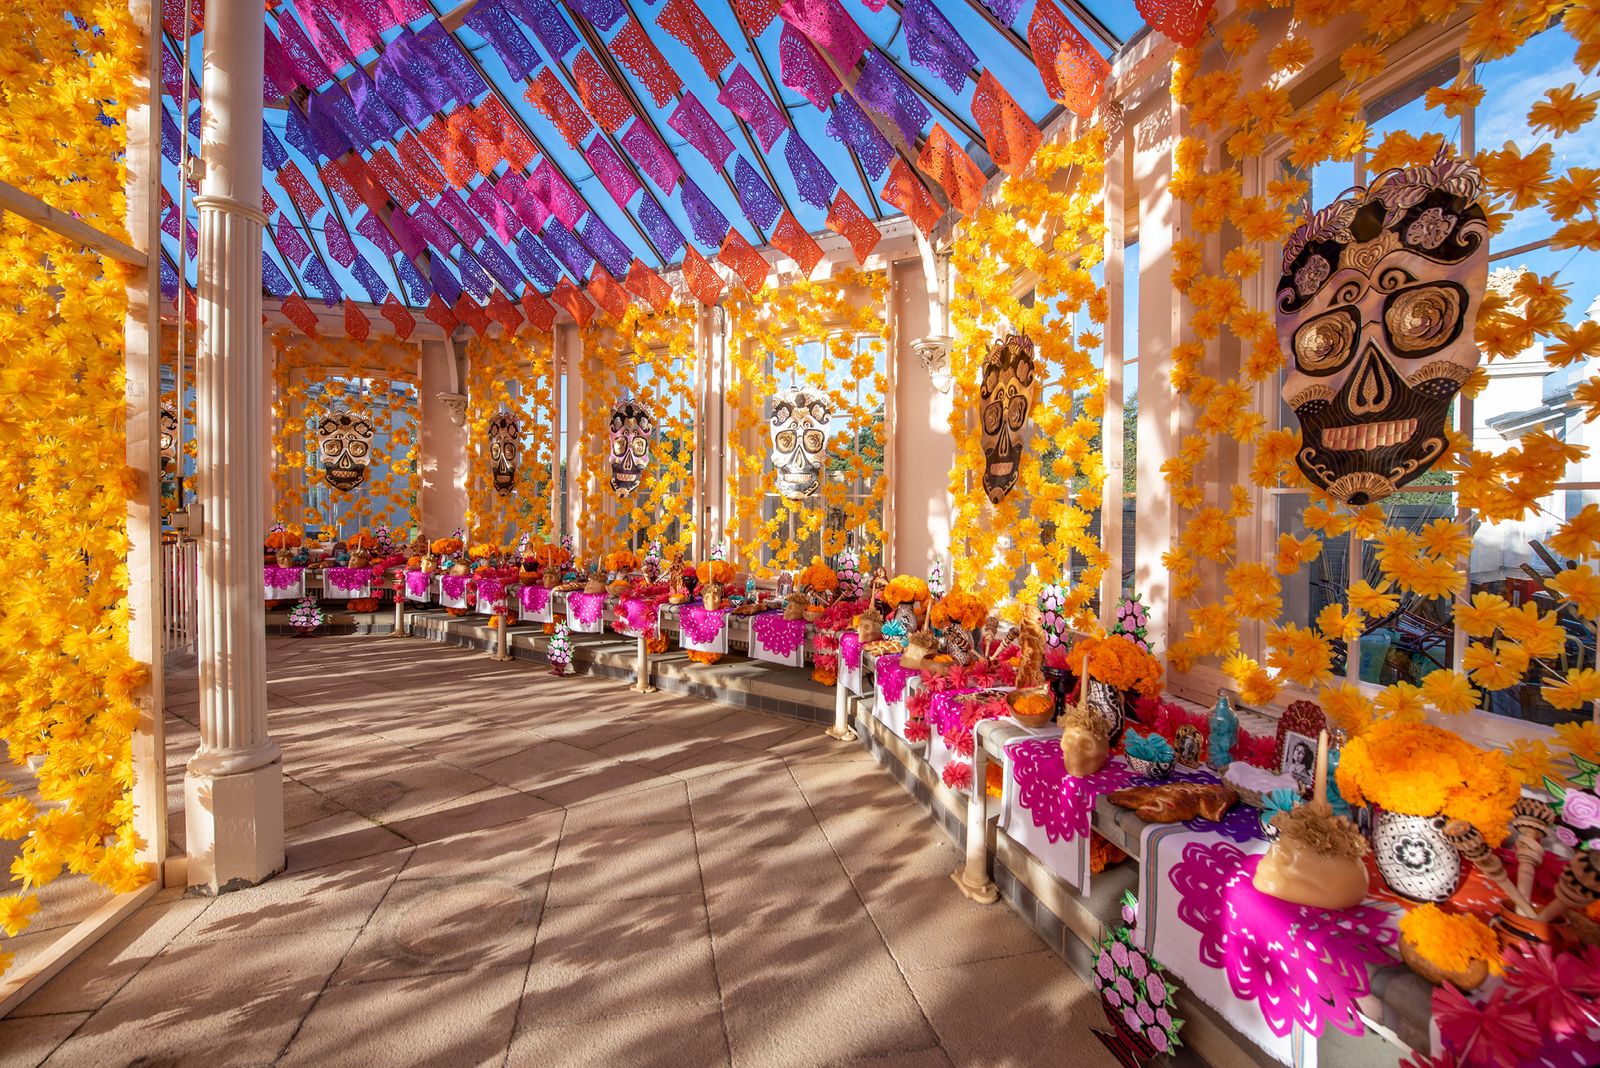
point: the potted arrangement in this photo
(907, 598)
(820, 582)
(1032, 703)
(1149, 755)
(1121, 672)
(1417, 778)
(619, 563)
(282, 543)
(1135, 996)
(361, 547)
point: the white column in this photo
(233, 788)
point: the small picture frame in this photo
(1298, 728)
(1190, 747)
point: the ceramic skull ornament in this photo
(1005, 399)
(344, 441)
(633, 433)
(505, 451)
(798, 423)
(1375, 310)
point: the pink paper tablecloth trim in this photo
(491, 589)
(778, 635)
(281, 578)
(637, 613)
(1303, 966)
(1060, 804)
(892, 678)
(453, 586)
(347, 579)
(534, 598)
(701, 626)
(587, 608)
(850, 649)
(944, 709)
(417, 583)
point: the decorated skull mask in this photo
(1376, 306)
(345, 442)
(1005, 397)
(799, 427)
(633, 431)
(505, 451)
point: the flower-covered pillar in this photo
(233, 788)
(443, 500)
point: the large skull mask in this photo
(505, 451)
(1376, 307)
(344, 441)
(798, 424)
(1005, 397)
(633, 432)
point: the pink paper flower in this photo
(1581, 810)
(1497, 1031)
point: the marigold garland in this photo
(379, 377)
(1047, 225)
(511, 373)
(651, 357)
(1224, 108)
(68, 681)
(773, 327)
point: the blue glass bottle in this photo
(1224, 733)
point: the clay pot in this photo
(1466, 981)
(1414, 857)
(361, 558)
(1083, 752)
(814, 612)
(1037, 719)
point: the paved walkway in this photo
(491, 866)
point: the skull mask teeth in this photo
(799, 428)
(505, 451)
(1375, 310)
(345, 442)
(1005, 398)
(633, 431)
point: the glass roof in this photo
(416, 148)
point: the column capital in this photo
(227, 204)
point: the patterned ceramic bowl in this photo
(1149, 769)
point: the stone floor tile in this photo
(667, 802)
(542, 765)
(619, 863)
(676, 1038)
(606, 782)
(927, 923)
(26, 1041)
(102, 969)
(1016, 1012)
(433, 926)
(598, 960)
(344, 897)
(463, 1020)
(338, 839)
(522, 850)
(211, 1004)
(407, 791)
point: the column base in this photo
(983, 892)
(234, 827)
(843, 734)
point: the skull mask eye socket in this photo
(1325, 344)
(1017, 411)
(639, 447)
(785, 441)
(814, 440)
(1425, 318)
(991, 417)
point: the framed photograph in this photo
(1298, 729)
(1190, 748)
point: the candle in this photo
(1321, 793)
